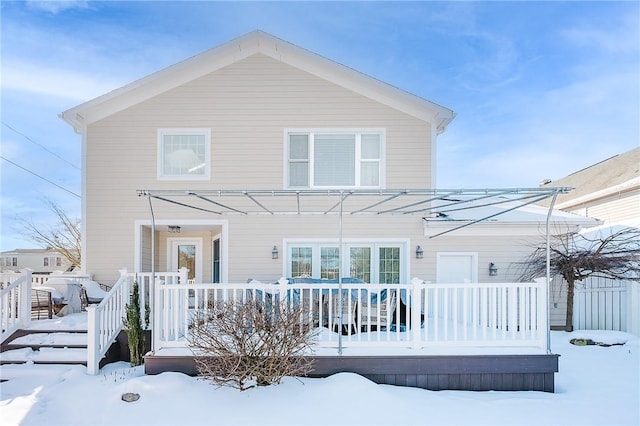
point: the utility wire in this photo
(43, 178)
(40, 145)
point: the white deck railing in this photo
(15, 302)
(104, 321)
(436, 315)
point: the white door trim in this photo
(139, 224)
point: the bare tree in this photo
(580, 256)
(247, 343)
(64, 237)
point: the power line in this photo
(40, 145)
(43, 178)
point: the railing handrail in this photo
(104, 321)
(460, 314)
(15, 304)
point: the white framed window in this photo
(334, 158)
(372, 262)
(184, 154)
(46, 261)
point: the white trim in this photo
(357, 132)
(434, 160)
(474, 263)
(206, 132)
(241, 48)
(224, 239)
(630, 185)
(172, 261)
(83, 203)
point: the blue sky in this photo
(541, 89)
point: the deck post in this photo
(156, 327)
(416, 311)
(92, 341)
(184, 275)
(25, 298)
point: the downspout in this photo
(548, 248)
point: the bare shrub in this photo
(247, 343)
(577, 257)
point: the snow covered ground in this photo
(596, 385)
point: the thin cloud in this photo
(57, 6)
(619, 35)
(42, 79)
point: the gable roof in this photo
(241, 48)
(617, 174)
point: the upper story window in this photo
(10, 261)
(184, 154)
(335, 159)
(52, 261)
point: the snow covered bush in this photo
(247, 343)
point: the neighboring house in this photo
(258, 159)
(38, 260)
(608, 191)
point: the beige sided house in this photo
(257, 160)
(608, 190)
(38, 260)
(260, 114)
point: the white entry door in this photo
(185, 253)
(457, 268)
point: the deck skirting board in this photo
(442, 372)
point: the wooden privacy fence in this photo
(606, 304)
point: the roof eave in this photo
(240, 48)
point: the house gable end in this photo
(239, 49)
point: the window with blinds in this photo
(334, 159)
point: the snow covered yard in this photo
(596, 385)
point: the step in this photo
(36, 340)
(45, 355)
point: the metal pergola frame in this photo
(341, 202)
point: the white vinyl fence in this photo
(606, 304)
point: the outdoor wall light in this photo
(274, 252)
(173, 229)
(493, 269)
(419, 252)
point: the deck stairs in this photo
(41, 346)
